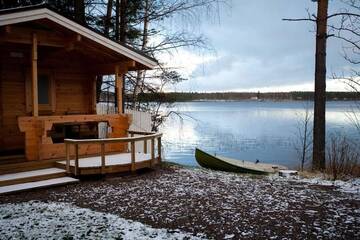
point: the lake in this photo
(246, 130)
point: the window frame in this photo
(43, 108)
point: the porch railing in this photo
(146, 136)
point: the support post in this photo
(159, 149)
(34, 76)
(145, 146)
(152, 151)
(67, 158)
(76, 159)
(102, 158)
(132, 156)
(119, 88)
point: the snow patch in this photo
(38, 220)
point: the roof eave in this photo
(45, 13)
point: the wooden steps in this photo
(31, 176)
(40, 178)
(12, 159)
(24, 165)
(38, 184)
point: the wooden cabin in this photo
(48, 69)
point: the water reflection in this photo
(244, 130)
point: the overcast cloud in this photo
(256, 50)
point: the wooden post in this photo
(76, 159)
(34, 78)
(93, 97)
(132, 156)
(67, 158)
(152, 151)
(159, 149)
(145, 146)
(102, 158)
(119, 88)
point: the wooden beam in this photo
(152, 151)
(67, 147)
(24, 36)
(130, 64)
(159, 149)
(93, 96)
(132, 156)
(8, 29)
(76, 159)
(103, 158)
(34, 78)
(119, 88)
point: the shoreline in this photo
(214, 204)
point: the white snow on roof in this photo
(37, 220)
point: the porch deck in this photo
(114, 163)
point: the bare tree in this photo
(167, 42)
(321, 19)
(303, 140)
(348, 31)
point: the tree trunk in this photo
(79, 6)
(122, 30)
(319, 132)
(117, 19)
(107, 22)
(140, 75)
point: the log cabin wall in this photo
(12, 104)
(72, 92)
(72, 95)
(67, 58)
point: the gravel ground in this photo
(219, 205)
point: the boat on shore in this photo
(221, 163)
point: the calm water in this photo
(247, 130)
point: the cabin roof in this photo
(44, 11)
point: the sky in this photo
(255, 50)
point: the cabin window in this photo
(44, 89)
(46, 93)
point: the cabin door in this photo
(12, 105)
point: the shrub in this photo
(342, 158)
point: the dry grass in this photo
(342, 159)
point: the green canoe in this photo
(207, 160)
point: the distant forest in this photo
(234, 96)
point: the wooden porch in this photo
(51, 73)
(27, 175)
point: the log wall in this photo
(12, 89)
(73, 94)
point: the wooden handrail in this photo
(141, 133)
(112, 140)
(131, 140)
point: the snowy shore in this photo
(201, 203)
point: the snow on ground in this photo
(350, 186)
(217, 204)
(37, 220)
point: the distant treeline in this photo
(234, 96)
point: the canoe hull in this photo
(216, 163)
